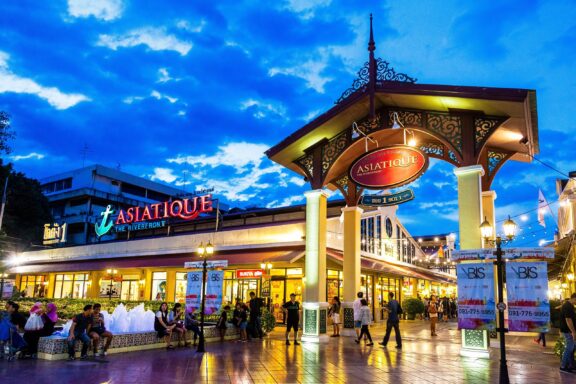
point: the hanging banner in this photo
(193, 291)
(527, 288)
(476, 304)
(213, 291)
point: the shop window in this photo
(33, 285)
(181, 281)
(332, 273)
(294, 272)
(278, 272)
(158, 286)
(130, 287)
(229, 274)
(72, 286)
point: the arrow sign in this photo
(210, 263)
(387, 200)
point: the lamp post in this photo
(204, 252)
(111, 272)
(510, 232)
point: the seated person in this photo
(175, 318)
(162, 326)
(80, 329)
(49, 318)
(192, 323)
(99, 331)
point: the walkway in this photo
(422, 360)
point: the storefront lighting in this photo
(420, 240)
(112, 271)
(486, 229)
(570, 277)
(436, 239)
(564, 285)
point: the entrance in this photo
(245, 286)
(129, 289)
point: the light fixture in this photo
(356, 132)
(570, 277)
(420, 240)
(510, 228)
(396, 123)
(486, 229)
(436, 239)
(564, 285)
(209, 249)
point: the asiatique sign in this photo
(388, 167)
(152, 216)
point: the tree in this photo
(26, 211)
(6, 133)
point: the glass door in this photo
(277, 296)
(129, 290)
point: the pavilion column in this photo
(474, 343)
(315, 307)
(352, 266)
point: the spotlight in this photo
(396, 124)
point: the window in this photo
(157, 196)
(72, 286)
(133, 190)
(181, 282)
(57, 186)
(158, 286)
(33, 285)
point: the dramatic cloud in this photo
(106, 10)
(156, 39)
(310, 70)
(164, 174)
(30, 156)
(10, 82)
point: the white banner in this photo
(210, 264)
(7, 289)
(476, 304)
(193, 291)
(509, 254)
(213, 291)
(472, 254)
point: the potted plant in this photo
(412, 306)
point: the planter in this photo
(411, 316)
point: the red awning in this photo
(244, 257)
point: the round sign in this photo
(501, 307)
(388, 167)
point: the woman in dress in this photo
(335, 314)
(162, 326)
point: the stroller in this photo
(11, 343)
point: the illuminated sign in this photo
(248, 273)
(387, 200)
(388, 167)
(152, 216)
(54, 233)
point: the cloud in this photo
(185, 25)
(288, 201)
(10, 82)
(156, 39)
(106, 10)
(157, 95)
(439, 204)
(164, 174)
(310, 71)
(262, 109)
(164, 76)
(299, 181)
(306, 8)
(31, 155)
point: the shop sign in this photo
(476, 304)
(388, 167)
(209, 264)
(152, 216)
(7, 288)
(527, 293)
(248, 273)
(387, 200)
(508, 253)
(54, 233)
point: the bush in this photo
(413, 306)
(555, 315)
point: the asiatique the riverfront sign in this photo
(152, 216)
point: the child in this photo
(365, 318)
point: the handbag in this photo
(34, 323)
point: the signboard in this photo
(248, 273)
(265, 288)
(388, 167)
(54, 233)
(214, 283)
(476, 304)
(210, 264)
(6, 289)
(527, 289)
(387, 200)
(193, 291)
(152, 216)
(508, 253)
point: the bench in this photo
(56, 347)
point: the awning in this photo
(394, 269)
(244, 257)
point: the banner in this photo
(7, 289)
(476, 304)
(538, 253)
(213, 291)
(527, 288)
(193, 291)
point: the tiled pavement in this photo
(422, 360)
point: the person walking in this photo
(541, 338)
(433, 313)
(356, 306)
(255, 316)
(568, 329)
(335, 315)
(366, 319)
(394, 310)
(292, 308)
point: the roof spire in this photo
(372, 72)
(371, 44)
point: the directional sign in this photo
(210, 264)
(387, 200)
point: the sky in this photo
(192, 93)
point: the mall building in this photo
(264, 249)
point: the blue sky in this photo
(192, 93)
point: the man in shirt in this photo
(357, 306)
(394, 310)
(80, 329)
(255, 315)
(98, 330)
(293, 318)
(16, 318)
(568, 329)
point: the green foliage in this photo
(560, 346)
(413, 306)
(268, 321)
(5, 133)
(555, 316)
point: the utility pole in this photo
(3, 201)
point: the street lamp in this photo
(204, 252)
(510, 232)
(111, 272)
